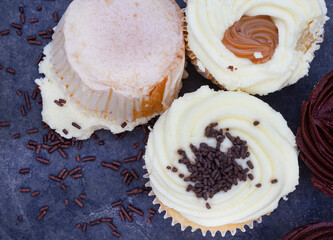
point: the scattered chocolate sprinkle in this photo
(124, 125)
(250, 176)
(19, 93)
(82, 196)
(101, 143)
(135, 146)
(88, 159)
(231, 68)
(116, 163)
(94, 223)
(11, 71)
(249, 163)
(76, 125)
(256, 123)
(19, 218)
(84, 227)
(181, 175)
(112, 226)
(34, 94)
(27, 101)
(63, 187)
(152, 212)
(41, 216)
(31, 38)
(122, 216)
(55, 143)
(117, 234)
(35, 193)
(129, 180)
(32, 131)
(109, 165)
(53, 149)
(19, 32)
(124, 172)
(42, 160)
(62, 153)
(66, 202)
(77, 158)
(116, 204)
(30, 147)
(39, 59)
(174, 169)
(138, 158)
(106, 220)
(145, 140)
(38, 149)
(149, 220)
(38, 8)
(51, 30)
(79, 145)
(54, 178)
(134, 191)
(128, 160)
(24, 171)
(4, 124)
(58, 103)
(5, 32)
(134, 174)
(168, 167)
(16, 136)
(21, 9)
(258, 185)
(137, 211)
(25, 190)
(47, 36)
(15, 25)
(274, 181)
(55, 17)
(129, 218)
(33, 20)
(45, 208)
(78, 202)
(23, 111)
(78, 225)
(22, 18)
(77, 176)
(33, 143)
(208, 206)
(75, 170)
(32, 42)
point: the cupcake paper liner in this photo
(112, 104)
(177, 218)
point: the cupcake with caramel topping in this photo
(255, 46)
(315, 136)
(218, 161)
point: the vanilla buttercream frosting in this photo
(300, 27)
(271, 145)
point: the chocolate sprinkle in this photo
(35, 193)
(41, 216)
(114, 233)
(124, 125)
(258, 185)
(42, 160)
(32, 131)
(212, 170)
(84, 227)
(5, 32)
(11, 71)
(33, 20)
(16, 136)
(24, 171)
(137, 211)
(274, 181)
(55, 17)
(76, 125)
(256, 123)
(88, 159)
(78, 202)
(112, 226)
(4, 124)
(116, 204)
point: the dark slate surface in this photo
(103, 186)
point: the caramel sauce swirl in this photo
(254, 38)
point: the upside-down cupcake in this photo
(112, 64)
(218, 161)
(315, 136)
(256, 46)
(313, 231)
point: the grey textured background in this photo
(103, 186)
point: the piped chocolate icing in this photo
(320, 231)
(315, 136)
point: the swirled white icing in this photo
(300, 24)
(271, 145)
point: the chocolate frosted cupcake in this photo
(112, 64)
(315, 136)
(218, 161)
(313, 231)
(255, 46)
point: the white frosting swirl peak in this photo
(271, 145)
